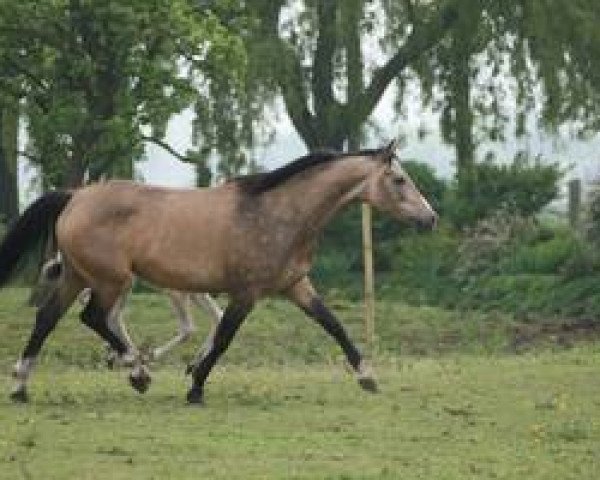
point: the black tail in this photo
(30, 232)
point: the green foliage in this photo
(96, 74)
(520, 188)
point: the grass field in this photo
(456, 403)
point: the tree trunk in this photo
(465, 148)
(460, 85)
(9, 191)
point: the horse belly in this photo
(187, 274)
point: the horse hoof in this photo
(140, 382)
(195, 397)
(368, 384)
(19, 395)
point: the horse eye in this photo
(399, 180)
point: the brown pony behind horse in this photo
(249, 238)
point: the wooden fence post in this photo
(574, 201)
(369, 277)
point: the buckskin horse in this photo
(249, 238)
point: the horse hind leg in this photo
(101, 314)
(55, 304)
(208, 303)
(116, 325)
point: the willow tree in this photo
(332, 60)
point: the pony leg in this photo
(116, 325)
(54, 307)
(205, 301)
(179, 302)
(234, 315)
(304, 295)
(208, 303)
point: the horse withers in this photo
(249, 238)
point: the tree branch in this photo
(423, 38)
(165, 146)
(295, 97)
(287, 73)
(322, 78)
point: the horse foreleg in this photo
(234, 315)
(304, 295)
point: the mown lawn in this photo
(457, 405)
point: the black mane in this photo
(258, 183)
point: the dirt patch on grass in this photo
(563, 333)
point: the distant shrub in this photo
(522, 188)
(485, 246)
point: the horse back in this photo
(171, 237)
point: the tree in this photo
(99, 79)
(9, 193)
(465, 54)
(319, 69)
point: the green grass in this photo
(454, 403)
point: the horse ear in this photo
(390, 150)
(392, 146)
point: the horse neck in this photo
(314, 197)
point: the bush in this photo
(521, 188)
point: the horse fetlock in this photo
(22, 369)
(19, 394)
(366, 378)
(114, 360)
(129, 359)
